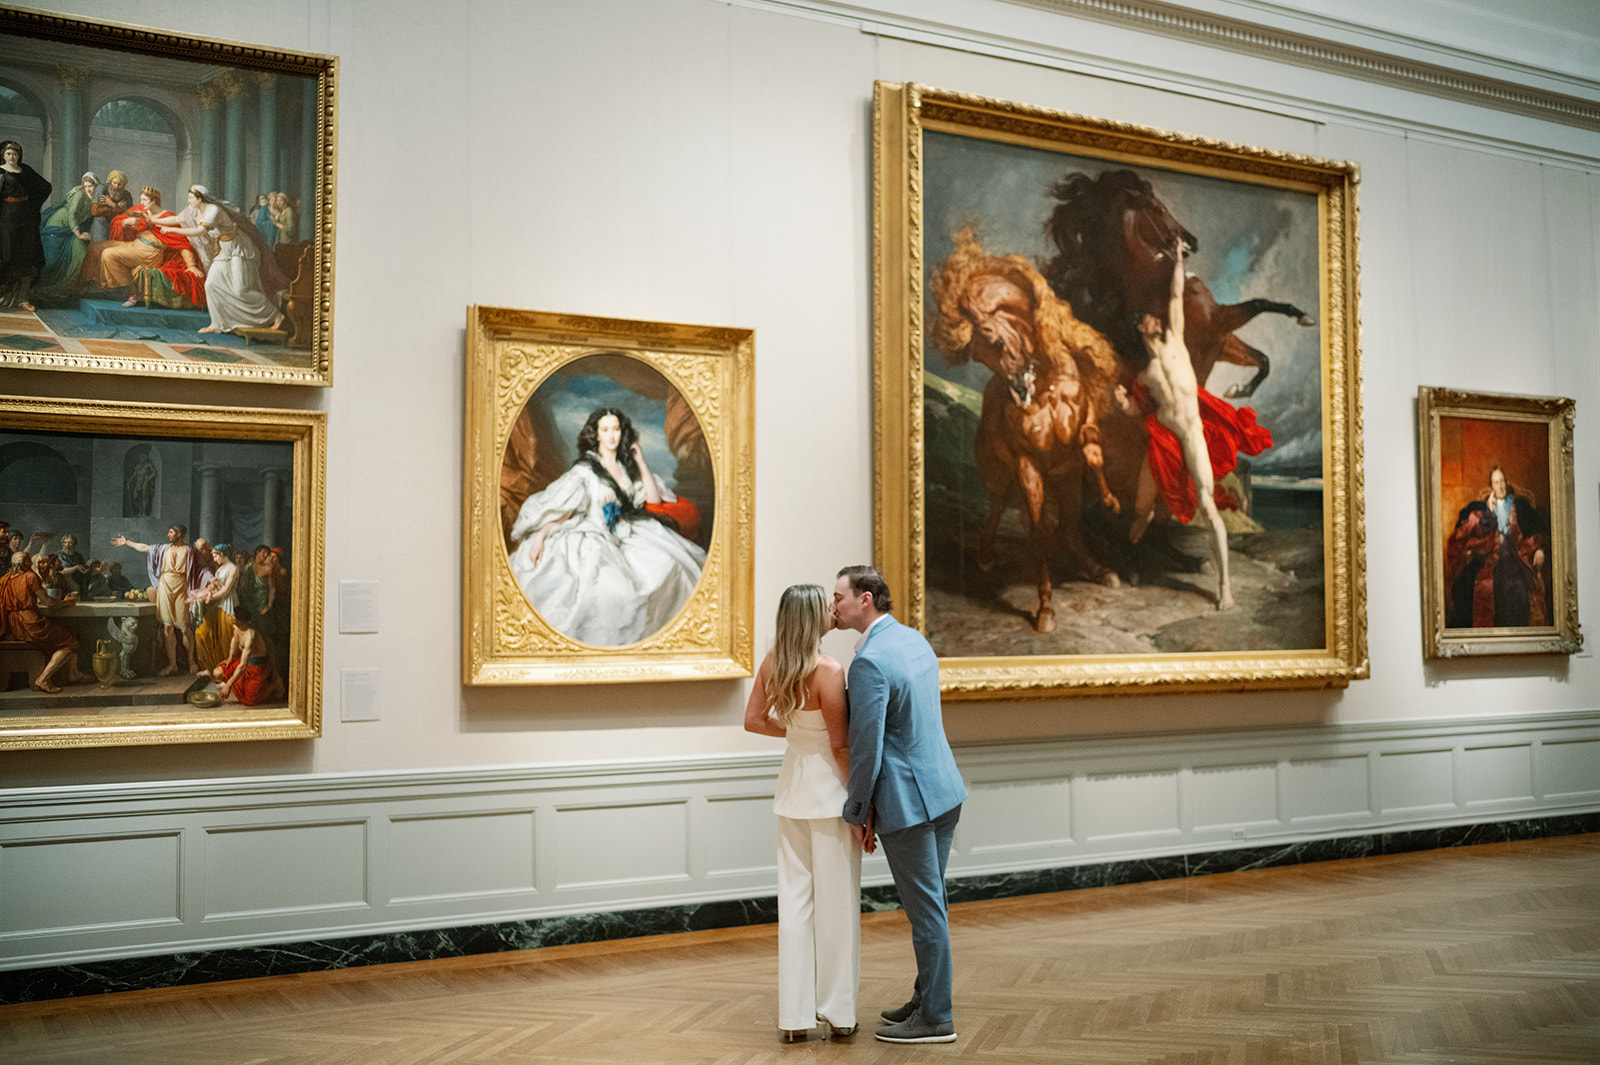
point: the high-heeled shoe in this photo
(794, 1035)
(835, 1032)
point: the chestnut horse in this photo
(1114, 242)
(1053, 377)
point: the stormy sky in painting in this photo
(1255, 241)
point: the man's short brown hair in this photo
(864, 579)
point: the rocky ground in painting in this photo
(1277, 584)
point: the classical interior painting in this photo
(1497, 518)
(605, 480)
(177, 197)
(609, 500)
(153, 580)
(158, 542)
(1126, 373)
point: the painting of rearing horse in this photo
(1038, 434)
(1112, 236)
(1061, 455)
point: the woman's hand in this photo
(536, 545)
(652, 492)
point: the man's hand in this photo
(865, 838)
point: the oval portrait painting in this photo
(607, 495)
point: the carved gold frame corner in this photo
(301, 717)
(1563, 634)
(902, 112)
(504, 640)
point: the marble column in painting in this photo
(267, 177)
(233, 127)
(72, 139)
(207, 169)
(211, 516)
(275, 530)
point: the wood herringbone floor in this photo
(1476, 956)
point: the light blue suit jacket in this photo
(900, 761)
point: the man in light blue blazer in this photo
(904, 785)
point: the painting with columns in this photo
(110, 115)
(163, 572)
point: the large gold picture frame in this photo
(170, 112)
(615, 592)
(117, 477)
(1497, 524)
(997, 220)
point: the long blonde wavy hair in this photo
(803, 615)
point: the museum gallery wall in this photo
(721, 173)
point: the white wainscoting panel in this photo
(1232, 797)
(1329, 790)
(260, 869)
(1416, 781)
(622, 844)
(1496, 775)
(461, 855)
(100, 881)
(114, 871)
(739, 836)
(1127, 807)
(1005, 815)
(1569, 768)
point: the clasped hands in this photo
(864, 835)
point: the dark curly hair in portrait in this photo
(589, 438)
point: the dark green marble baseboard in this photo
(199, 967)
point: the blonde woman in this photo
(799, 695)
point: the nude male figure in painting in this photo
(1173, 389)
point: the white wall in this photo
(703, 161)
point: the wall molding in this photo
(120, 871)
(1325, 45)
(1442, 78)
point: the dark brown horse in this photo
(1114, 241)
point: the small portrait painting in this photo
(607, 499)
(1495, 488)
(1499, 566)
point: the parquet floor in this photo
(1483, 955)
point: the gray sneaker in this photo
(895, 1016)
(916, 1030)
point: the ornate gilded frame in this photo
(510, 353)
(1461, 435)
(121, 723)
(188, 78)
(903, 115)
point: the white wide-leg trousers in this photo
(819, 922)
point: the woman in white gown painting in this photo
(593, 560)
(242, 282)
